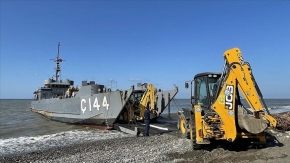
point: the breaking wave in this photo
(280, 109)
(36, 143)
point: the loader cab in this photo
(205, 89)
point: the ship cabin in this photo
(55, 89)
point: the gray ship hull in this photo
(98, 109)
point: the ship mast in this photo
(57, 68)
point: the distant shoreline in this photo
(175, 99)
(15, 99)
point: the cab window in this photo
(201, 92)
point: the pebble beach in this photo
(168, 147)
(126, 149)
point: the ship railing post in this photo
(168, 107)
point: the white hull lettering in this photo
(105, 104)
(90, 104)
(83, 108)
(96, 104)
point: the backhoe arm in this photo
(242, 73)
(148, 97)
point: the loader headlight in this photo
(231, 113)
(198, 110)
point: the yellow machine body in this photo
(226, 118)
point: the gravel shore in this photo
(168, 147)
(137, 149)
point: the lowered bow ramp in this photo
(164, 98)
(131, 121)
(156, 128)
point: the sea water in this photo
(274, 105)
(22, 130)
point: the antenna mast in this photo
(57, 68)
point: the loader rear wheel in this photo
(192, 135)
(183, 126)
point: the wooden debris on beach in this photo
(283, 121)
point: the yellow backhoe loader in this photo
(217, 112)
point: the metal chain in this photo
(176, 103)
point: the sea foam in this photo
(41, 142)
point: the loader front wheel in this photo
(192, 135)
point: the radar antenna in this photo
(57, 60)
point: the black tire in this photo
(192, 134)
(178, 123)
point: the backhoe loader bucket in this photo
(250, 123)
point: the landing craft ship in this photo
(93, 103)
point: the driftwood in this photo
(283, 121)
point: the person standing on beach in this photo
(147, 120)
